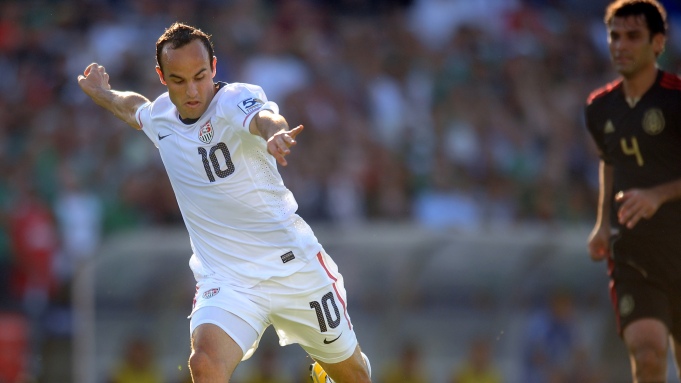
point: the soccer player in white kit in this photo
(256, 262)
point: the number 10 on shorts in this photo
(323, 311)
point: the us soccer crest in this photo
(211, 293)
(206, 133)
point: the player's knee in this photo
(362, 371)
(365, 374)
(202, 366)
(199, 364)
(353, 378)
(358, 376)
(650, 361)
(364, 378)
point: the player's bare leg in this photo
(647, 341)
(352, 370)
(214, 356)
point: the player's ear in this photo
(215, 62)
(659, 41)
(160, 75)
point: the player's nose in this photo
(192, 89)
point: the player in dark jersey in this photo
(636, 125)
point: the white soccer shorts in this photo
(308, 307)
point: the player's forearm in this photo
(669, 191)
(122, 104)
(605, 194)
(266, 124)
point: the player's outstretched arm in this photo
(274, 129)
(95, 83)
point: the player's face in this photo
(631, 48)
(188, 75)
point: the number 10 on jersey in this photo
(216, 168)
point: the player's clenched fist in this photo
(94, 79)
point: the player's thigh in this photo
(646, 334)
(214, 350)
(239, 330)
(352, 369)
(240, 312)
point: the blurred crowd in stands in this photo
(455, 114)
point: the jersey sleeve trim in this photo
(670, 81)
(600, 92)
(143, 115)
(138, 114)
(269, 105)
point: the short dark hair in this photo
(652, 10)
(179, 35)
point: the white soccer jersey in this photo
(240, 217)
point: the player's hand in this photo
(280, 143)
(636, 204)
(94, 79)
(599, 243)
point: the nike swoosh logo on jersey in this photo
(160, 137)
(332, 340)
